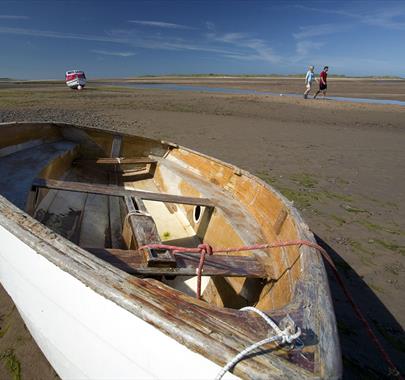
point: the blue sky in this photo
(42, 39)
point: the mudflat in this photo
(387, 88)
(342, 165)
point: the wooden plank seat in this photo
(116, 161)
(135, 262)
(130, 168)
(118, 191)
(119, 164)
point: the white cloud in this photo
(319, 30)
(164, 42)
(232, 38)
(130, 38)
(210, 25)
(386, 17)
(160, 24)
(13, 17)
(323, 10)
(305, 45)
(53, 34)
(114, 53)
(358, 64)
(252, 49)
(304, 48)
(235, 45)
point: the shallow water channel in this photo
(183, 87)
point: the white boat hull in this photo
(75, 83)
(83, 334)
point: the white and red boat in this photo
(75, 79)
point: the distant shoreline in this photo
(213, 76)
(364, 88)
(265, 76)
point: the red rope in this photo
(204, 249)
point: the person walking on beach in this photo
(323, 85)
(309, 78)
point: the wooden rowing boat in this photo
(76, 206)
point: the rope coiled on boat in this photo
(205, 249)
(288, 335)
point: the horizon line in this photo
(202, 75)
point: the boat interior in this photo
(111, 194)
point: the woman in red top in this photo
(323, 82)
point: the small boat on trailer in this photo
(83, 216)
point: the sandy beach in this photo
(342, 164)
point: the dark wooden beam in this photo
(118, 192)
(125, 160)
(116, 146)
(114, 214)
(116, 161)
(144, 232)
(134, 262)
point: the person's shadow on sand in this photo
(361, 359)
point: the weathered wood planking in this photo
(17, 135)
(83, 212)
(116, 161)
(262, 204)
(94, 226)
(144, 232)
(65, 214)
(114, 214)
(25, 145)
(134, 262)
(116, 146)
(119, 192)
(130, 169)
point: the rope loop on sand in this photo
(288, 335)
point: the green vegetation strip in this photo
(3, 331)
(11, 363)
(392, 246)
(377, 227)
(306, 194)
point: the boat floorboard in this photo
(80, 217)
